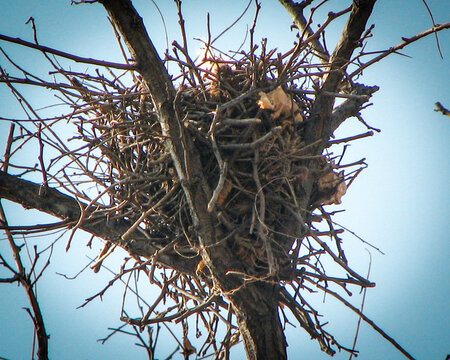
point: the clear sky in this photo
(400, 203)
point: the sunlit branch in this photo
(63, 54)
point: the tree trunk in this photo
(256, 309)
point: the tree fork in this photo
(320, 122)
(257, 312)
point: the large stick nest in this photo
(248, 128)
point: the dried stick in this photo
(261, 212)
(234, 22)
(361, 309)
(295, 10)
(351, 138)
(304, 319)
(24, 279)
(365, 282)
(366, 319)
(63, 54)
(222, 176)
(223, 165)
(141, 218)
(9, 142)
(276, 130)
(396, 48)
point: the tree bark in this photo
(256, 309)
(320, 122)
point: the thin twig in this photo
(396, 48)
(63, 54)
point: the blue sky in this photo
(400, 203)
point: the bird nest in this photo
(248, 128)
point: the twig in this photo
(296, 11)
(367, 320)
(341, 262)
(261, 212)
(41, 162)
(27, 284)
(367, 125)
(438, 45)
(9, 142)
(240, 122)
(361, 309)
(219, 187)
(233, 23)
(351, 138)
(359, 237)
(75, 58)
(276, 130)
(406, 41)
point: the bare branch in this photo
(67, 208)
(319, 125)
(368, 321)
(26, 282)
(296, 11)
(352, 106)
(63, 54)
(396, 48)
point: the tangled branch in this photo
(214, 180)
